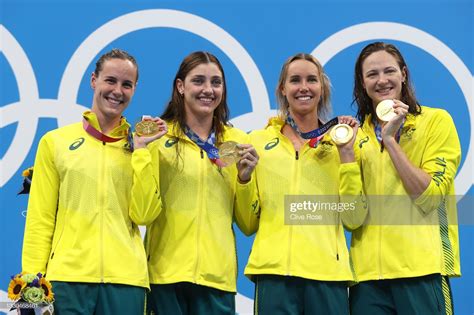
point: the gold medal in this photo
(385, 110)
(341, 133)
(229, 152)
(147, 128)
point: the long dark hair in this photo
(175, 112)
(364, 102)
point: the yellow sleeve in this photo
(145, 201)
(441, 158)
(42, 209)
(246, 202)
(351, 193)
(246, 206)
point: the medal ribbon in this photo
(378, 133)
(314, 135)
(97, 134)
(208, 145)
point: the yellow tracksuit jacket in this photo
(78, 227)
(315, 251)
(403, 237)
(191, 205)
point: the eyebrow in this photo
(388, 67)
(201, 76)
(296, 76)
(115, 78)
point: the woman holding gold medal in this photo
(408, 248)
(302, 266)
(194, 192)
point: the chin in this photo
(305, 110)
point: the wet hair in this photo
(114, 54)
(360, 96)
(175, 111)
(324, 105)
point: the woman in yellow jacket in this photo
(78, 229)
(408, 247)
(299, 259)
(193, 197)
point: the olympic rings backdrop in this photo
(48, 49)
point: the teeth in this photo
(206, 99)
(111, 100)
(304, 98)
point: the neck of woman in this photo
(107, 124)
(202, 126)
(306, 122)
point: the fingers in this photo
(390, 128)
(400, 108)
(248, 161)
(248, 152)
(348, 120)
(248, 156)
(163, 127)
(142, 141)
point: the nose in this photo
(207, 88)
(117, 90)
(382, 79)
(303, 87)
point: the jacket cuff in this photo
(429, 199)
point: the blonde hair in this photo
(324, 105)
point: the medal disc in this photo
(147, 128)
(341, 133)
(229, 152)
(385, 110)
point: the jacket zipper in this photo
(337, 235)
(198, 223)
(236, 256)
(290, 236)
(101, 214)
(380, 226)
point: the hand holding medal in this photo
(343, 132)
(248, 159)
(385, 110)
(344, 135)
(149, 129)
(244, 155)
(392, 114)
(229, 152)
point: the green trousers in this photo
(429, 294)
(275, 295)
(97, 299)
(188, 298)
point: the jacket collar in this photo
(119, 131)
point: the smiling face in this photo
(113, 87)
(302, 87)
(382, 77)
(202, 89)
